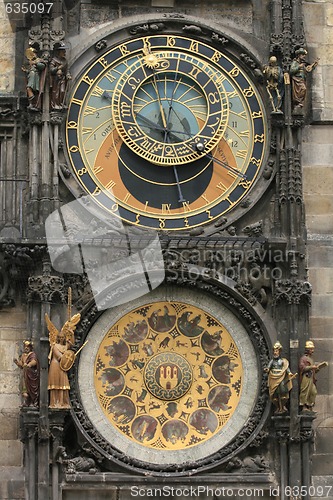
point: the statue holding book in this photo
(308, 370)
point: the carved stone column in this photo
(29, 431)
(43, 290)
(306, 437)
(57, 419)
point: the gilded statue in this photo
(308, 369)
(61, 358)
(279, 379)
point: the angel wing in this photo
(70, 327)
(53, 331)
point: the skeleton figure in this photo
(274, 79)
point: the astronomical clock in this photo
(168, 132)
(169, 381)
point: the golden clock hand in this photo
(147, 51)
(170, 104)
(159, 101)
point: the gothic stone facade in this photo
(290, 217)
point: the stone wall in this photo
(12, 332)
(12, 327)
(7, 52)
(318, 194)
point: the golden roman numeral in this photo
(244, 133)
(241, 153)
(221, 186)
(166, 208)
(86, 130)
(97, 169)
(186, 206)
(110, 77)
(232, 94)
(89, 110)
(97, 92)
(126, 198)
(77, 101)
(231, 174)
(110, 185)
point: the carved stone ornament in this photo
(95, 435)
(46, 288)
(100, 45)
(292, 291)
(72, 465)
(56, 117)
(56, 37)
(147, 28)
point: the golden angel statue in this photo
(61, 359)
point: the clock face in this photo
(166, 132)
(167, 381)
